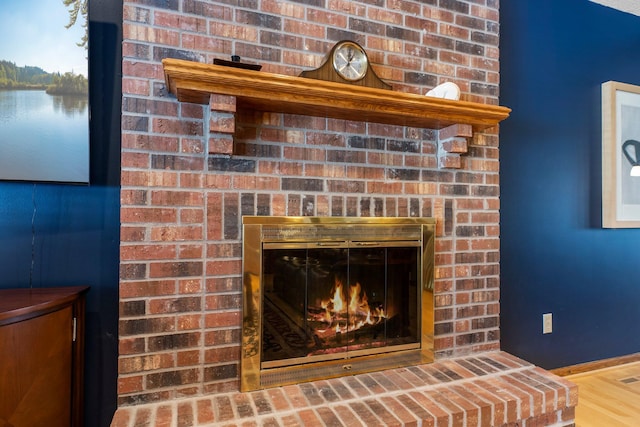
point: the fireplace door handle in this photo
(329, 244)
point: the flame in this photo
(354, 299)
(338, 300)
(334, 305)
(355, 314)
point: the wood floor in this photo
(608, 397)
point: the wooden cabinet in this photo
(42, 356)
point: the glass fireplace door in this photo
(334, 300)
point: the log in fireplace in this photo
(331, 296)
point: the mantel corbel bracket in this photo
(452, 143)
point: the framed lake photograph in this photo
(44, 96)
(620, 155)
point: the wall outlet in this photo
(547, 323)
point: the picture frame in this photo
(620, 155)
(44, 91)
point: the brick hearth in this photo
(494, 389)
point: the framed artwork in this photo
(620, 155)
(44, 91)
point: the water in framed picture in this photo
(44, 91)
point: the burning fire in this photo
(343, 316)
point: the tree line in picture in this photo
(13, 77)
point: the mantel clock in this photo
(347, 62)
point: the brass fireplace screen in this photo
(332, 296)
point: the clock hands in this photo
(347, 60)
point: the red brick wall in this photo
(182, 206)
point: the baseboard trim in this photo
(597, 364)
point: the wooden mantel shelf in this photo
(194, 82)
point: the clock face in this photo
(350, 61)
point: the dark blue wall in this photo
(68, 235)
(555, 257)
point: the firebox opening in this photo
(321, 303)
(329, 296)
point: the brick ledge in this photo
(487, 389)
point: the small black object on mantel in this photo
(235, 62)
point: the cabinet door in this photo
(35, 371)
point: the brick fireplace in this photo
(190, 172)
